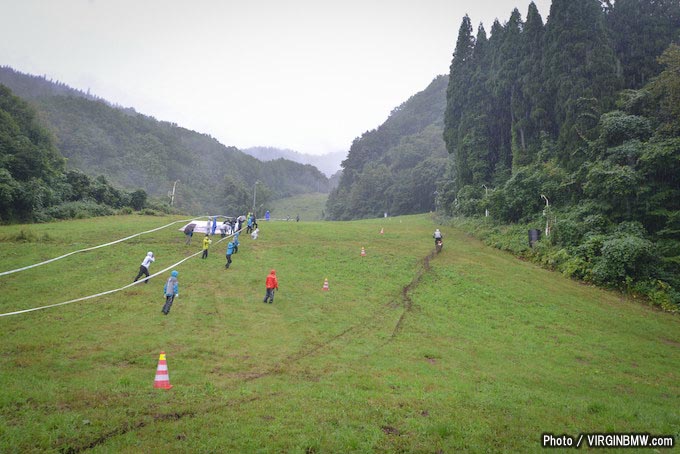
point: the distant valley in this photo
(328, 163)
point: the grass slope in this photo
(470, 350)
(308, 206)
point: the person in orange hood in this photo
(272, 283)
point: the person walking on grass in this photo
(236, 242)
(189, 232)
(171, 290)
(271, 283)
(144, 267)
(206, 245)
(230, 251)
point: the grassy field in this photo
(308, 206)
(470, 350)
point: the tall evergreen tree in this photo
(580, 69)
(506, 42)
(530, 117)
(641, 30)
(473, 138)
(456, 97)
(666, 88)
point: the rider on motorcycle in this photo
(437, 236)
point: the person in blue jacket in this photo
(214, 225)
(230, 251)
(171, 290)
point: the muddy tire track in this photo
(148, 421)
(277, 368)
(406, 300)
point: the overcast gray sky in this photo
(309, 75)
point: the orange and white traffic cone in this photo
(382, 231)
(363, 252)
(162, 380)
(325, 284)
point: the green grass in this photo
(308, 206)
(471, 350)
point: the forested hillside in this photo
(395, 167)
(328, 163)
(34, 184)
(135, 151)
(575, 123)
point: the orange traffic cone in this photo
(162, 380)
(363, 252)
(325, 284)
(382, 231)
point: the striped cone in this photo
(325, 284)
(162, 380)
(382, 231)
(363, 252)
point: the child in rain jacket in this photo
(230, 251)
(206, 244)
(171, 290)
(272, 283)
(236, 242)
(144, 267)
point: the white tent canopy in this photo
(206, 226)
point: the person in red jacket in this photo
(272, 283)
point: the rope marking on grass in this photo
(273, 369)
(4, 273)
(117, 289)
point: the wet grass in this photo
(310, 207)
(470, 351)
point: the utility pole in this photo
(254, 196)
(172, 195)
(546, 213)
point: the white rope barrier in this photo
(118, 289)
(93, 248)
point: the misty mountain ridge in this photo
(34, 87)
(135, 151)
(328, 163)
(394, 168)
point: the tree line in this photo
(34, 182)
(134, 152)
(395, 167)
(575, 122)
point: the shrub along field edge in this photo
(587, 263)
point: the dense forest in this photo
(395, 167)
(572, 124)
(34, 182)
(575, 124)
(136, 152)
